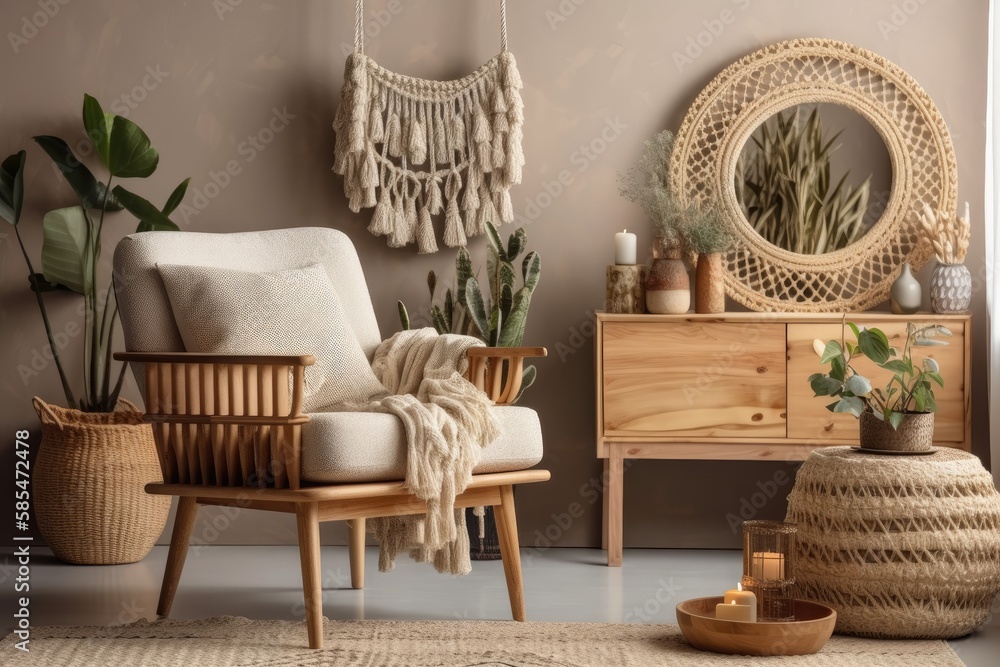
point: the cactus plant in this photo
(497, 316)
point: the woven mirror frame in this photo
(764, 277)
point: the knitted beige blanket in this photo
(448, 423)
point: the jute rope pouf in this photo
(901, 547)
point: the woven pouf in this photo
(901, 547)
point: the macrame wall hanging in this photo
(414, 148)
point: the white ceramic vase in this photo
(951, 288)
(905, 294)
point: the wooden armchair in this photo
(229, 429)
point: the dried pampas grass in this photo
(947, 233)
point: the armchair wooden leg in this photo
(509, 550)
(187, 512)
(307, 518)
(356, 540)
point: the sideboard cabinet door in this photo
(694, 379)
(809, 421)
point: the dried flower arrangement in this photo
(947, 233)
(647, 183)
(705, 230)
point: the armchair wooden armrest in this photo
(499, 371)
(225, 419)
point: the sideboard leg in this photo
(614, 492)
(604, 504)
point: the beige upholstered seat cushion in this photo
(371, 447)
(292, 311)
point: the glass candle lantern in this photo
(769, 568)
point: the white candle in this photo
(624, 248)
(736, 612)
(740, 596)
(767, 565)
(967, 212)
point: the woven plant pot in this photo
(89, 483)
(914, 434)
(900, 546)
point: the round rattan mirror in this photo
(742, 97)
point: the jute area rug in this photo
(228, 641)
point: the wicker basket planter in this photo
(901, 547)
(89, 477)
(914, 434)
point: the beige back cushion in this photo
(294, 311)
(147, 320)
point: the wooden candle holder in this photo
(626, 288)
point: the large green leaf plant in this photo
(71, 245)
(910, 388)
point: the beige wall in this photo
(600, 77)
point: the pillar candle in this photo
(736, 612)
(624, 248)
(740, 596)
(767, 565)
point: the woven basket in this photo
(914, 434)
(89, 477)
(901, 547)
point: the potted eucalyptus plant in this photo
(84, 522)
(898, 416)
(708, 236)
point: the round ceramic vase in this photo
(905, 294)
(668, 287)
(951, 288)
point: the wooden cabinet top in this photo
(867, 316)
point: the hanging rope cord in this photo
(359, 26)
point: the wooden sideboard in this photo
(734, 386)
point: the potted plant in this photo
(708, 236)
(898, 416)
(83, 522)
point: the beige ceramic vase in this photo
(668, 288)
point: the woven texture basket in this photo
(914, 434)
(901, 547)
(89, 477)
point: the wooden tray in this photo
(807, 634)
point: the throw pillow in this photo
(293, 311)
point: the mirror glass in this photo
(814, 178)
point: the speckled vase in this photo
(905, 294)
(668, 287)
(951, 288)
(709, 284)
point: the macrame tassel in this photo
(472, 223)
(456, 133)
(398, 233)
(500, 124)
(417, 143)
(511, 77)
(381, 223)
(515, 157)
(470, 200)
(426, 243)
(359, 112)
(434, 195)
(497, 155)
(440, 137)
(481, 128)
(488, 212)
(411, 219)
(394, 135)
(368, 180)
(505, 207)
(376, 128)
(454, 235)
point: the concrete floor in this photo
(264, 582)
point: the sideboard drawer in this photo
(697, 379)
(810, 421)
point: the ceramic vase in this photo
(905, 294)
(668, 288)
(709, 285)
(951, 288)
